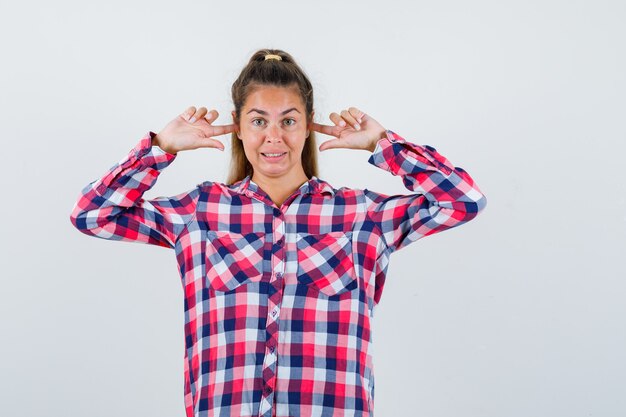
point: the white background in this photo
(518, 313)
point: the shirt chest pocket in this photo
(325, 262)
(233, 259)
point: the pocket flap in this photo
(233, 259)
(325, 261)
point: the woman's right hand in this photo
(192, 130)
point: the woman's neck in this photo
(280, 188)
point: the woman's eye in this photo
(254, 122)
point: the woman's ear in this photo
(235, 122)
(309, 125)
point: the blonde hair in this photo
(272, 72)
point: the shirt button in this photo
(276, 212)
(272, 349)
(274, 313)
(280, 241)
(279, 275)
(267, 390)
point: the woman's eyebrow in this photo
(263, 112)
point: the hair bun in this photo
(273, 56)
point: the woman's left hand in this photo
(353, 130)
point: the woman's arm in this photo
(113, 208)
(444, 196)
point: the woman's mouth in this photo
(273, 156)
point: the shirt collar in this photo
(314, 185)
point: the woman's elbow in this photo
(80, 220)
(481, 203)
(474, 208)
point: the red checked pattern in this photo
(278, 301)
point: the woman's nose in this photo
(273, 132)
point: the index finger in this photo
(325, 129)
(222, 129)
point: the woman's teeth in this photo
(273, 155)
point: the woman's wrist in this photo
(157, 142)
(381, 135)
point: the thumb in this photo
(330, 144)
(211, 143)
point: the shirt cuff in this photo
(143, 155)
(395, 154)
(381, 152)
(155, 149)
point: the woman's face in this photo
(273, 121)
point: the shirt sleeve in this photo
(444, 196)
(112, 207)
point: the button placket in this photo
(273, 305)
(266, 405)
(278, 249)
(274, 313)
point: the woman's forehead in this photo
(274, 100)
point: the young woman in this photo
(280, 271)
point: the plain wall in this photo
(518, 313)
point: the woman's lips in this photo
(273, 158)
